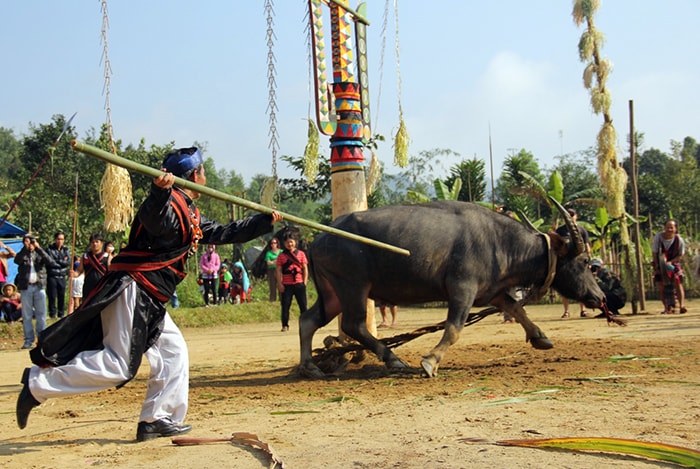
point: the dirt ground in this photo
(639, 382)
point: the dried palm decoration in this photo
(115, 186)
(269, 189)
(313, 142)
(612, 175)
(401, 140)
(311, 152)
(374, 173)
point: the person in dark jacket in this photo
(31, 283)
(102, 343)
(615, 294)
(56, 273)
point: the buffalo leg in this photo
(354, 324)
(431, 361)
(533, 334)
(310, 321)
(456, 317)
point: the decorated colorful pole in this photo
(342, 112)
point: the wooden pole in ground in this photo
(72, 248)
(635, 196)
(349, 126)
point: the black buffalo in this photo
(461, 253)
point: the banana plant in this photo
(442, 192)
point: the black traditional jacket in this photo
(166, 231)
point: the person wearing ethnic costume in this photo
(102, 343)
(93, 264)
(667, 249)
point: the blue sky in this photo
(188, 71)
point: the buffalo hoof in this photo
(430, 366)
(310, 370)
(395, 364)
(541, 343)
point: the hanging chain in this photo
(272, 84)
(108, 74)
(398, 58)
(385, 22)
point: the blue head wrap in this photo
(183, 160)
(246, 280)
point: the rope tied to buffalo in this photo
(331, 358)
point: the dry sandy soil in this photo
(491, 385)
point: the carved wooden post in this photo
(343, 111)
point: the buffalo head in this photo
(573, 277)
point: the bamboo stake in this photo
(154, 173)
(72, 248)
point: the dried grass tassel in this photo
(116, 198)
(311, 153)
(267, 195)
(374, 173)
(401, 142)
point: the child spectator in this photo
(76, 290)
(240, 284)
(292, 275)
(11, 308)
(224, 283)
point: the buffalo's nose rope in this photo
(610, 316)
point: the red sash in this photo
(142, 266)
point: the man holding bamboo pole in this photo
(101, 345)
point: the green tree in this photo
(666, 186)
(310, 201)
(580, 184)
(10, 164)
(419, 173)
(442, 192)
(684, 180)
(299, 188)
(472, 173)
(51, 181)
(512, 185)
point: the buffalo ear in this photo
(560, 244)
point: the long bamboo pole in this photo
(152, 172)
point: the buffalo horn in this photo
(526, 221)
(571, 225)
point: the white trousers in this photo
(95, 370)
